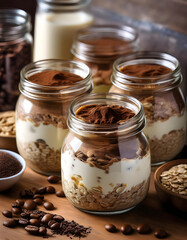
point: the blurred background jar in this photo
(155, 78)
(56, 22)
(99, 46)
(42, 110)
(15, 52)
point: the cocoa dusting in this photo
(145, 70)
(104, 114)
(9, 165)
(54, 78)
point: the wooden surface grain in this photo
(149, 211)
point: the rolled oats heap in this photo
(175, 179)
(7, 123)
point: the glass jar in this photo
(105, 168)
(99, 46)
(56, 23)
(15, 52)
(162, 99)
(41, 113)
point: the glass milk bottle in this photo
(56, 23)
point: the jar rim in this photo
(43, 92)
(126, 129)
(164, 82)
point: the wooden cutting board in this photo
(149, 211)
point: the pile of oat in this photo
(7, 123)
(175, 179)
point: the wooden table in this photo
(149, 211)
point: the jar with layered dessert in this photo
(99, 46)
(105, 157)
(47, 88)
(56, 23)
(154, 78)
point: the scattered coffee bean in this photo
(58, 218)
(51, 222)
(143, 229)
(55, 226)
(23, 221)
(46, 218)
(50, 189)
(29, 205)
(126, 229)
(160, 233)
(38, 201)
(53, 179)
(25, 215)
(42, 231)
(11, 223)
(27, 193)
(38, 196)
(41, 190)
(32, 229)
(35, 222)
(7, 213)
(15, 205)
(48, 205)
(111, 228)
(20, 202)
(35, 215)
(60, 194)
(16, 210)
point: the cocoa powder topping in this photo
(104, 114)
(106, 42)
(54, 78)
(145, 70)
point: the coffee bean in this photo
(46, 218)
(35, 215)
(20, 202)
(53, 179)
(126, 229)
(111, 228)
(55, 226)
(50, 189)
(29, 205)
(160, 233)
(15, 205)
(25, 215)
(23, 221)
(7, 213)
(60, 194)
(35, 222)
(16, 210)
(42, 231)
(51, 222)
(48, 205)
(143, 229)
(38, 201)
(32, 229)
(58, 218)
(27, 193)
(11, 223)
(41, 190)
(38, 196)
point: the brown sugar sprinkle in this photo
(104, 114)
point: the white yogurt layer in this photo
(159, 128)
(130, 172)
(26, 132)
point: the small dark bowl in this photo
(166, 196)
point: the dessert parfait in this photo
(105, 157)
(154, 79)
(47, 88)
(100, 46)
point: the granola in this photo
(7, 123)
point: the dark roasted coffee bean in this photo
(160, 233)
(46, 218)
(34, 190)
(51, 222)
(38, 196)
(32, 229)
(35, 215)
(126, 229)
(35, 222)
(25, 215)
(20, 202)
(14, 204)
(29, 205)
(42, 231)
(143, 229)
(27, 193)
(16, 210)
(48, 205)
(53, 179)
(60, 194)
(50, 189)
(11, 223)
(7, 213)
(58, 218)
(41, 190)
(111, 228)
(38, 201)
(23, 221)
(55, 226)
